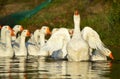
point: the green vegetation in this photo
(15, 18)
(102, 15)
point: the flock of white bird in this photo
(72, 44)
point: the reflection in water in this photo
(5, 68)
(78, 69)
(34, 68)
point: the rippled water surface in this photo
(36, 68)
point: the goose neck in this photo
(3, 36)
(42, 39)
(22, 42)
(8, 42)
(76, 31)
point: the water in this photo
(40, 68)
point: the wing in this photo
(92, 38)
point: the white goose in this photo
(21, 50)
(3, 31)
(7, 51)
(34, 39)
(94, 41)
(17, 28)
(33, 43)
(38, 37)
(56, 43)
(63, 35)
(54, 30)
(77, 48)
(44, 31)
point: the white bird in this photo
(77, 48)
(61, 53)
(54, 30)
(34, 39)
(33, 43)
(17, 28)
(56, 44)
(38, 37)
(94, 42)
(7, 51)
(101, 54)
(3, 31)
(21, 50)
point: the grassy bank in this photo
(102, 15)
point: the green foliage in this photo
(114, 14)
(14, 18)
(114, 22)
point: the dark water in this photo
(39, 68)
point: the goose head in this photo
(109, 53)
(3, 32)
(45, 30)
(10, 33)
(54, 30)
(37, 31)
(18, 28)
(6, 27)
(25, 33)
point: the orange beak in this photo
(12, 33)
(76, 12)
(111, 56)
(0, 27)
(48, 31)
(71, 32)
(21, 28)
(9, 28)
(28, 33)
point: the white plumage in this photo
(17, 28)
(94, 42)
(38, 40)
(7, 50)
(21, 50)
(78, 49)
(57, 42)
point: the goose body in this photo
(63, 35)
(7, 51)
(3, 35)
(56, 44)
(21, 50)
(93, 39)
(77, 48)
(38, 40)
(33, 43)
